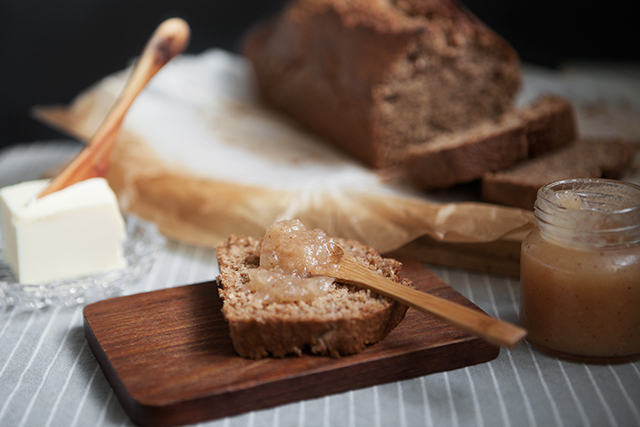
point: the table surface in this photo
(49, 377)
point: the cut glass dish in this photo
(141, 249)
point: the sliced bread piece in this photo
(491, 145)
(464, 156)
(585, 158)
(551, 124)
(343, 321)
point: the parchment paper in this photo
(201, 157)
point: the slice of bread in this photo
(343, 321)
(585, 158)
(375, 77)
(550, 123)
(464, 156)
(491, 145)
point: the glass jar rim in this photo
(574, 184)
(589, 211)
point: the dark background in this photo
(52, 50)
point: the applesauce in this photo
(288, 255)
(580, 271)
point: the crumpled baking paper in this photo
(200, 156)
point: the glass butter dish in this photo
(141, 248)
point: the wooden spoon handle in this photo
(473, 321)
(169, 39)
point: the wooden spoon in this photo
(170, 38)
(495, 331)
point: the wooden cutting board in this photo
(170, 361)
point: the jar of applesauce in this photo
(580, 271)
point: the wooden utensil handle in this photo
(473, 321)
(168, 40)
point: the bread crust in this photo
(343, 322)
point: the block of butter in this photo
(74, 232)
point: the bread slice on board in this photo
(343, 321)
(585, 158)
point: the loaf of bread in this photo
(343, 321)
(375, 77)
(491, 145)
(586, 158)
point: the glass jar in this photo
(580, 271)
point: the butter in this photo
(74, 232)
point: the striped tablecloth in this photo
(49, 377)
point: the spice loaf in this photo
(374, 77)
(586, 158)
(343, 321)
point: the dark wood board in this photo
(170, 361)
(498, 257)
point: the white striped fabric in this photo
(49, 377)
